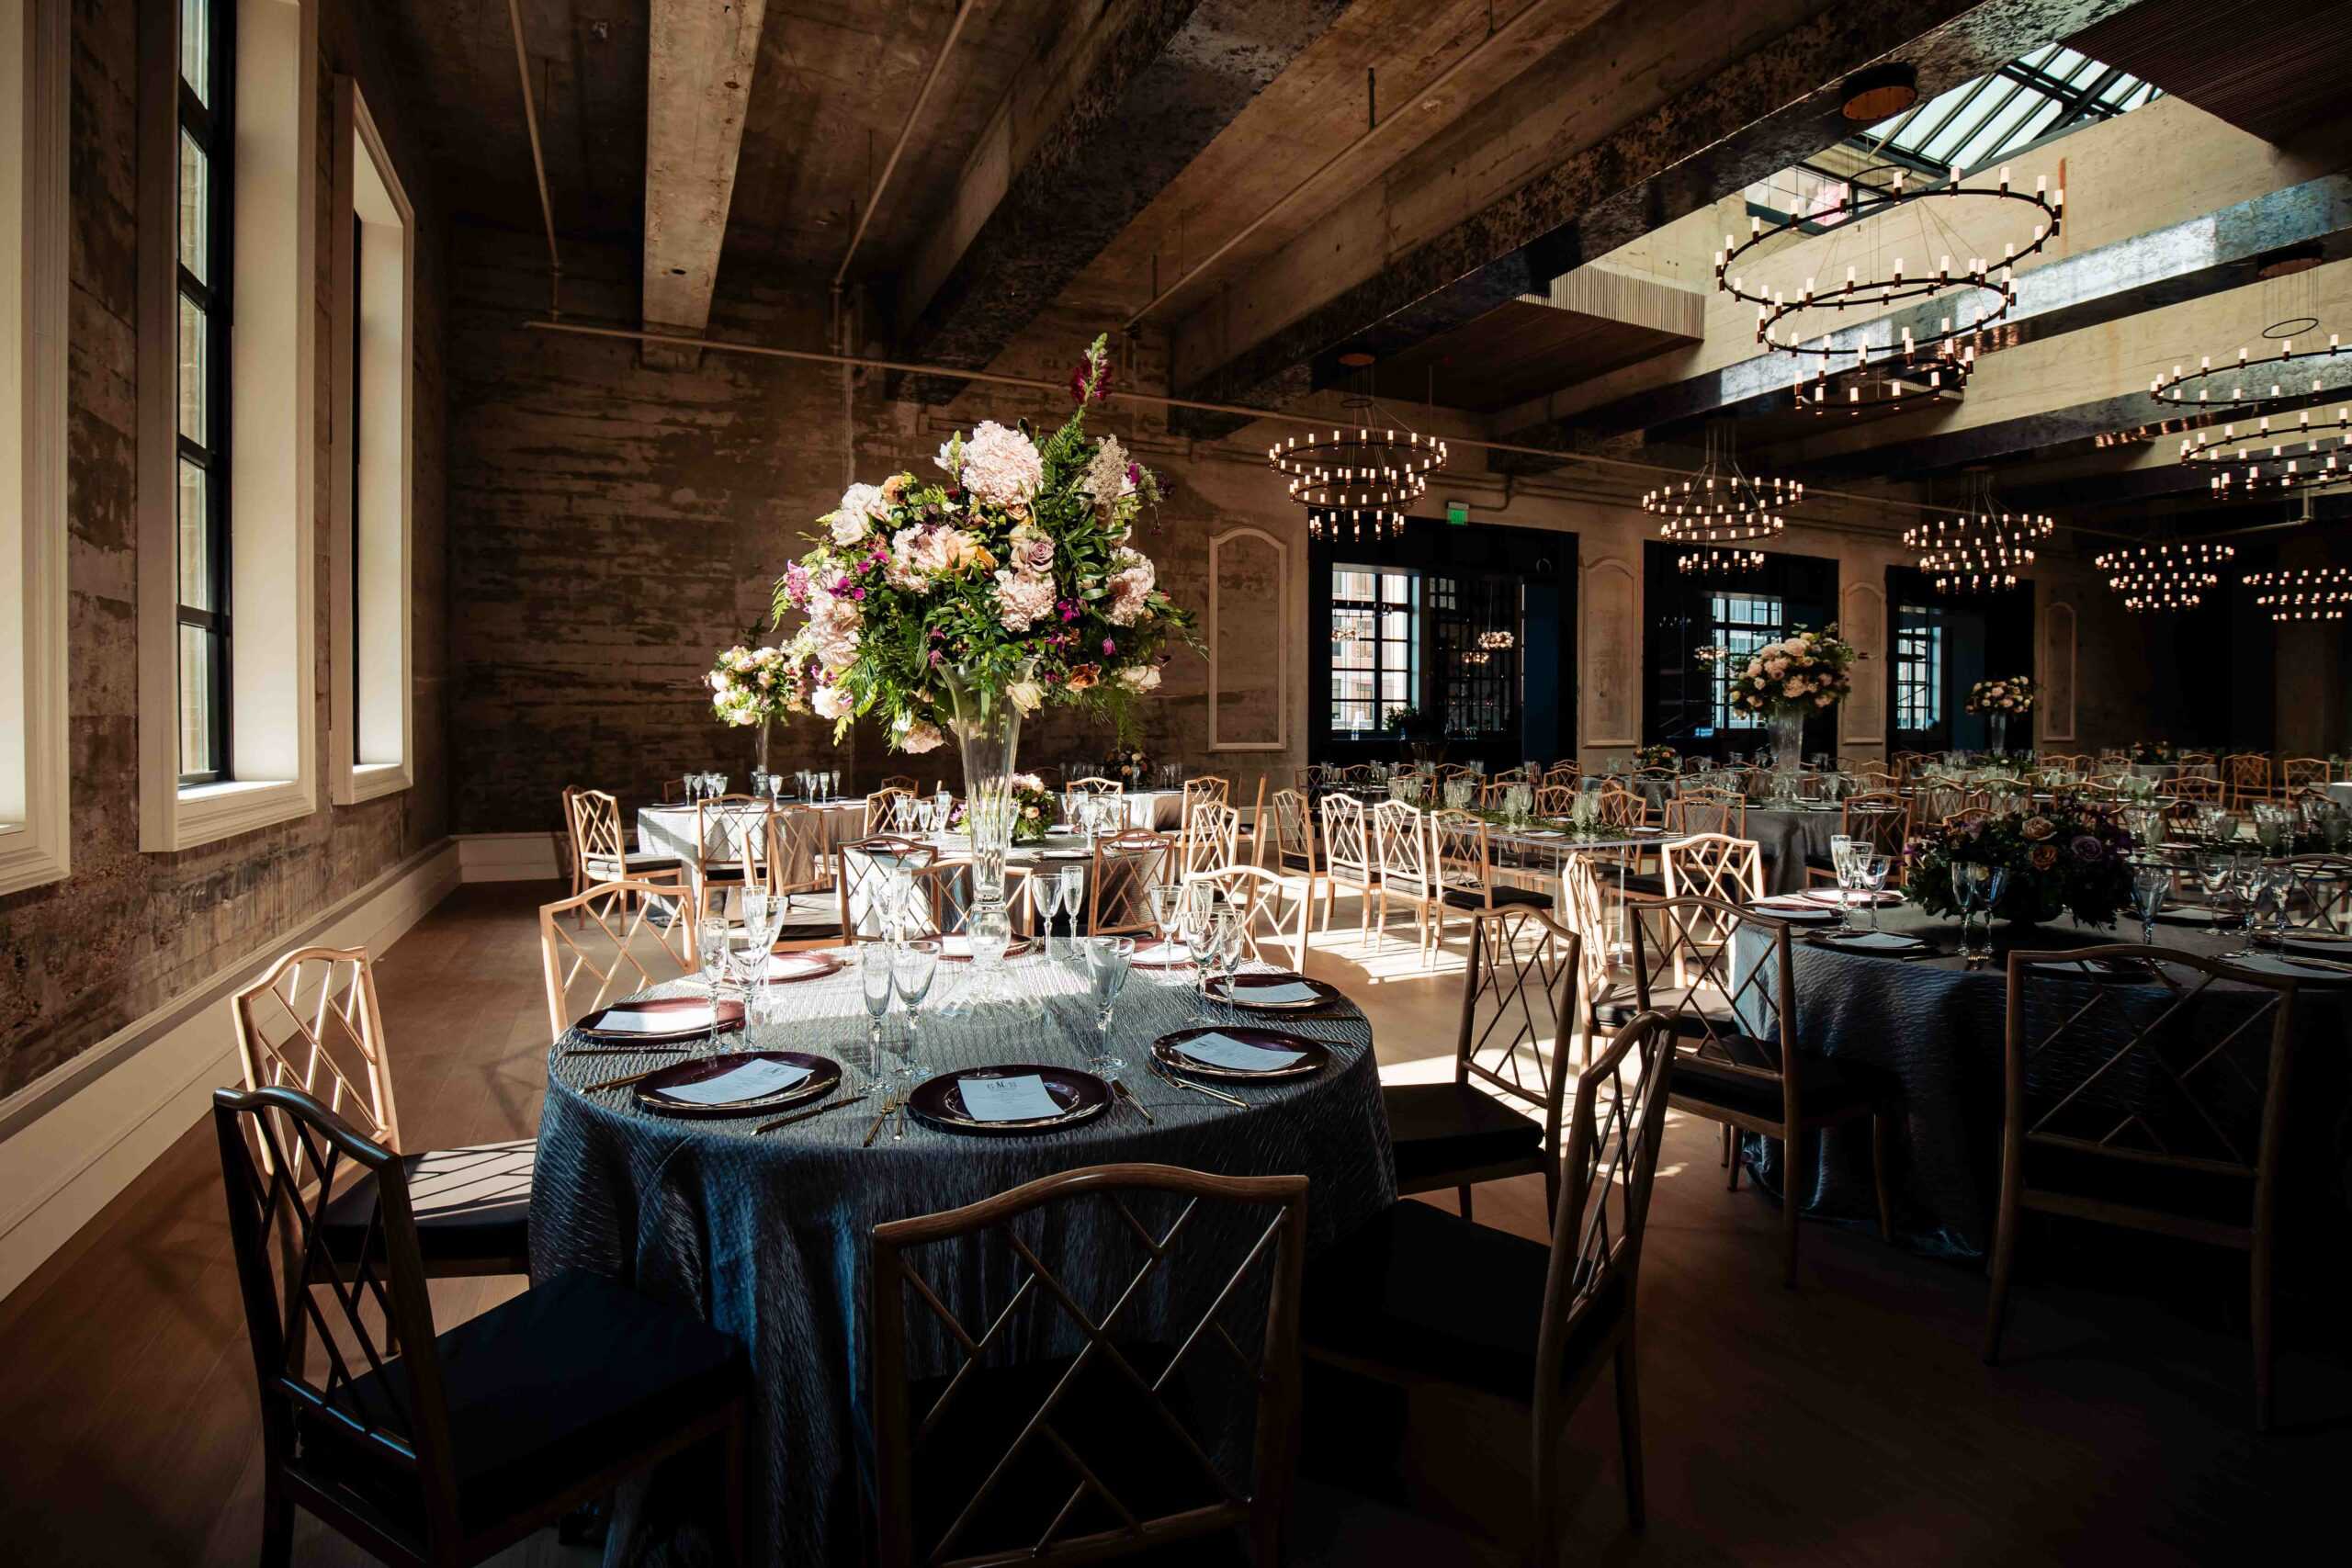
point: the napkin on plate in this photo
(1878, 941)
(752, 1080)
(1277, 991)
(654, 1020)
(1020, 1098)
(1224, 1051)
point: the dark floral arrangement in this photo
(1133, 767)
(1656, 756)
(2152, 752)
(2066, 859)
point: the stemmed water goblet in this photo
(1871, 870)
(1197, 903)
(1107, 959)
(1046, 897)
(876, 983)
(914, 966)
(2151, 885)
(1977, 886)
(1842, 850)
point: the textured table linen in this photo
(766, 1236)
(1936, 1029)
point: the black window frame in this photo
(1921, 621)
(209, 122)
(1414, 609)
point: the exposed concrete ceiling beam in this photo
(1130, 100)
(700, 58)
(2205, 256)
(1749, 119)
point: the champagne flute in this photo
(1106, 959)
(1196, 903)
(914, 966)
(1225, 948)
(1073, 886)
(1165, 900)
(876, 982)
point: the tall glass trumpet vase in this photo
(1998, 722)
(1787, 725)
(987, 726)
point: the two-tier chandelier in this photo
(2275, 415)
(2168, 575)
(2303, 593)
(1710, 563)
(1722, 503)
(1357, 479)
(2282, 452)
(1981, 548)
(1976, 290)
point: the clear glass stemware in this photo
(1107, 959)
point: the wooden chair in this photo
(601, 843)
(1250, 834)
(903, 784)
(1462, 852)
(1290, 838)
(2127, 1080)
(1881, 820)
(1734, 1032)
(1421, 1297)
(1715, 865)
(615, 944)
(1622, 808)
(1554, 800)
(865, 866)
(1273, 913)
(2247, 777)
(312, 1022)
(1086, 1457)
(1078, 788)
(2202, 763)
(798, 862)
(1126, 867)
(881, 807)
(730, 848)
(1499, 1115)
(1348, 860)
(1209, 841)
(1708, 811)
(1206, 790)
(379, 1427)
(1400, 842)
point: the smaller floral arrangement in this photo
(2152, 753)
(1035, 807)
(2008, 695)
(1804, 670)
(753, 685)
(1132, 767)
(1658, 757)
(2066, 859)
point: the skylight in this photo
(1980, 122)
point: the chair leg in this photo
(738, 1548)
(1881, 1139)
(2002, 1263)
(2259, 1312)
(1731, 1158)
(277, 1525)
(1461, 1196)
(1629, 1431)
(1790, 1183)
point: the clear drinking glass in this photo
(710, 945)
(1971, 889)
(1106, 958)
(1046, 896)
(876, 981)
(2151, 885)
(1841, 859)
(1872, 870)
(1164, 900)
(1225, 948)
(914, 966)
(1196, 903)
(1073, 883)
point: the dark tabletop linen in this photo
(1935, 1029)
(1785, 838)
(766, 1236)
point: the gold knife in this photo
(1119, 1088)
(817, 1111)
(889, 1105)
(627, 1078)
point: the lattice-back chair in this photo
(1461, 853)
(2299, 773)
(1701, 810)
(730, 847)
(1273, 913)
(798, 863)
(1078, 789)
(1250, 832)
(2202, 763)
(1500, 1114)
(1400, 843)
(1725, 979)
(905, 783)
(1563, 775)
(1622, 808)
(1420, 1297)
(1206, 790)
(1348, 857)
(1873, 780)
(862, 879)
(1127, 865)
(2189, 791)
(882, 807)
(2122, 1062)
(568, 845)
(616, 943)
(1288, 841)
(312, 1022)
(1085, 1457)
(2247, 777)
(1909, 765)
(1881, 820)
(1939, 800)
(1210, 838)
(1555, 799)
(370, 1423)
(601, 842)
(1585, 909)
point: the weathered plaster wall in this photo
(127, 931)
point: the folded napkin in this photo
(752, 1080)
(1224, 1051)
(1277, 990)
(654, 1020)
(1878, 941)
(1022, 1098)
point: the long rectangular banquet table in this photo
(669, 829)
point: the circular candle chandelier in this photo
(2287, 366)
(1976, 290)
(2304, 451)
(1722, 503)
(1981, 547)
(1358, 478)
(1910, 374)
(1712, 562)
(2304, 593)
(1497, 641)
(2164, 576)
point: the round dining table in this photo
(1787, 835)
(765, 1234)
(1932, 1030)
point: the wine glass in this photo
(710, 946)
(1165, 900)
(762, 913)
(1073, 883)
(1046, 895)
(876, 981)
(2151, 884)
(1970, 887)
(1225, 947)
(1107, 958)
(1842, 858)
(1871, 871)
(1196, 902)
(914, 965)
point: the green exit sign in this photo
(1457, 513)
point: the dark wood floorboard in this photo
(1847, 1422)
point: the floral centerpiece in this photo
(2152, 753)
(758, 685)
(2064, 858)
(1785, 681)
(957, 605)
(1035, 807)
(1133, 767)
(1656, 756)
(2000, 700)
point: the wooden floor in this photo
(1848, 1421)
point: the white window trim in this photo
(35, 750)
(273, 428)
(384, 486)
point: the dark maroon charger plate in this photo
(730, 1014)
(1237, 993)
(825, 1076)
(1081, 1095)
(1169, 1052)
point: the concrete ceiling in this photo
(1073, 160)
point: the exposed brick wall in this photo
(127, 931)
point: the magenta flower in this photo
(1109, 647)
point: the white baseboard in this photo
(73, 1139)
(509, 857)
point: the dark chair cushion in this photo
(637, 860)
(470, 1204)
(1439, 1128)
(1464, 898)
(542, 1391)
(1819, 862)
(1292, 861)
(1648, 886)
(1432, 1293)
(1825, 1087)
